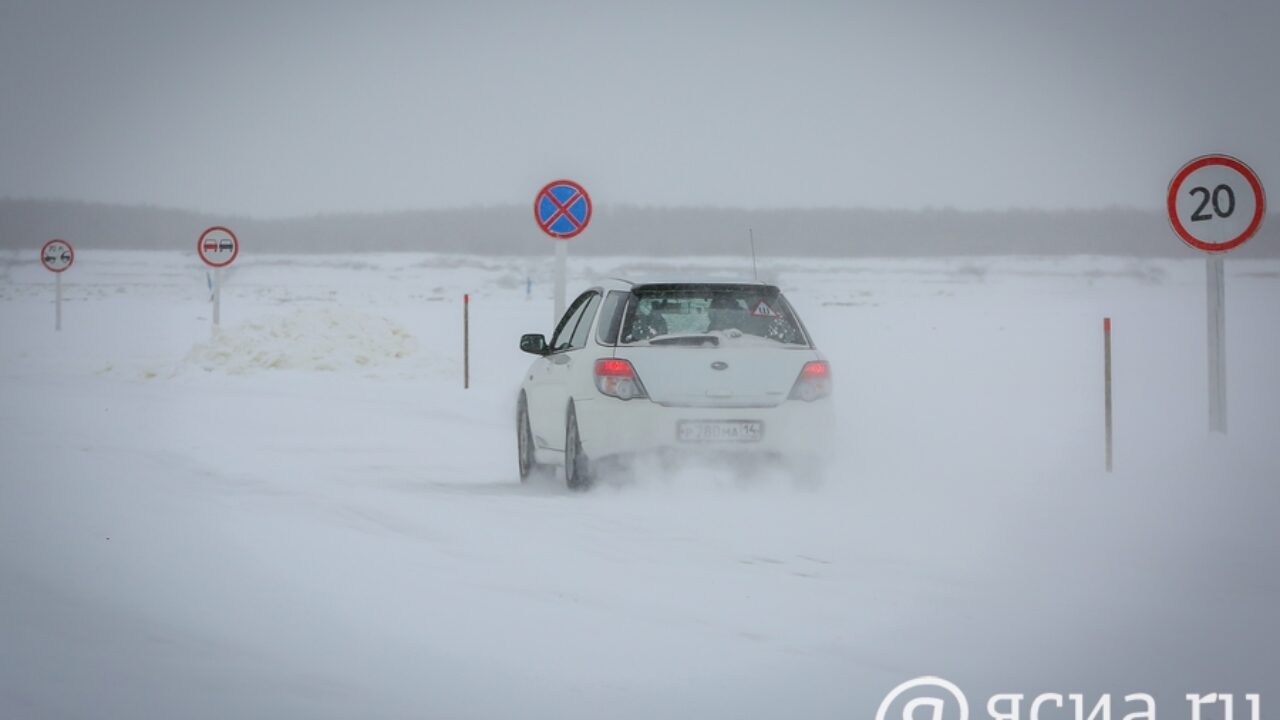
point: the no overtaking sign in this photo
(218, 246)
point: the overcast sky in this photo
(277, 109)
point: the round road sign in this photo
(57, 255)
(1216, 203)
(218, 246)
(562, 209)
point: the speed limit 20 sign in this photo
(1216, 203)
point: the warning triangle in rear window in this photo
(762, 309)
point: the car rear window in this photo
(697, 315)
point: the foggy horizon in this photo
(596, 204)
(298, 109)
(624, 229)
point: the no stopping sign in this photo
(562, 209)
(1216, 203)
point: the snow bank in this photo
(355, 543)
(312, 339)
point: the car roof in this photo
(675, 287)
(673, 284)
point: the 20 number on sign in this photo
(1216, 198)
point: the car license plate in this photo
(703, 431)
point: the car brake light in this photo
(617, 378)
(813, 383)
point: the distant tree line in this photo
(628, 230)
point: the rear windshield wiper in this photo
(690, 340)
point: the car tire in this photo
(525, 454)
(577, 467)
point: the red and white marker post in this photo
(218, 247)
(1216, 203)
(466, 341)
(1106, 380)
(56, 256)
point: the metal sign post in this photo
(562, 209)
(1216, 203)
(217, 297)
(1217, 317)
(218, 247)
(57, 256)
(562, 262)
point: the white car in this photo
(721, 369)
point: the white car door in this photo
(548, 379)
(572, 365)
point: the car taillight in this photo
(814, 382)
(617, 378)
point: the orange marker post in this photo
(466, 341)
(1106, 373)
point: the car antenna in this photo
(754, 274)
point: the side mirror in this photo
(534, 344)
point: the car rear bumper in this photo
(610, 427)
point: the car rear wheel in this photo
(524, 441)
(577, 468)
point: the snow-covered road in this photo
(308, 516)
